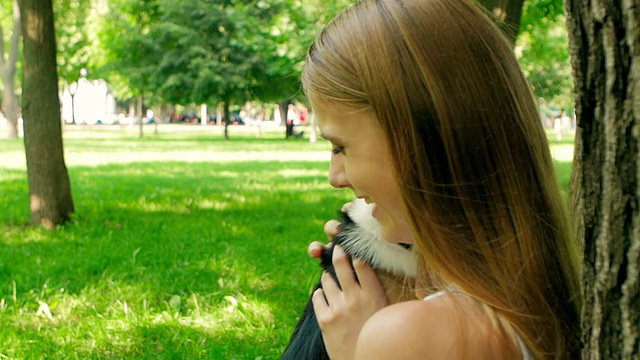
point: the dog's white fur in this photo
(366, 241)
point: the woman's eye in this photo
(338, 150)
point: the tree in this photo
(72, 37)
(49, 186)
(284, 43)
(604, 191)
(543, 52)
(8, 70)
(130, 55)
(213, 47)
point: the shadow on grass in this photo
(170, 243)
(167, 260)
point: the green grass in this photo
(165, 259)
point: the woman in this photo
(431, 119)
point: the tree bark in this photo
(8, 70)
(283, 106)
(227, 118)
(508, 13)
(49, 186)
(140, 115)
(604, 42)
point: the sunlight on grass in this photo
(172, 143)
(182, 246)
(301, 173)
(236, 315)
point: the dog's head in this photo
(361, 237)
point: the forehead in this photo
(336, 120)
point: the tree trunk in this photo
(164, 112)
(227, 119)
(140, 124)
(283, 108)
(604, 41)
(132, 113)
(8, 70)
(49, 186)
(219, 115)
(508, 14)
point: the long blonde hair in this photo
(469, 150)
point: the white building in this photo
(93, 104)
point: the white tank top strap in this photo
(524, 349)
(436, 295)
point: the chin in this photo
(395, 263)
(396, 235)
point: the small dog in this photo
(395, 264)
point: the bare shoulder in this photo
(449, 327)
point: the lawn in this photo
(183, 246)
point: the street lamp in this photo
(73, 87)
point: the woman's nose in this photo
(337, 175)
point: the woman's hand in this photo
(331, 228)
(341, 313)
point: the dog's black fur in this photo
(360, 237)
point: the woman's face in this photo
(361, 161)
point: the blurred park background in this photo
(189, 234)
(182, 246)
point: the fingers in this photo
(344, 269)
(367, 277)
(330, 288)
(315, 249)
(320, 305)
(332, 228)
(355, 274)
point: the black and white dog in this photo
(360, 237)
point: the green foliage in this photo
(204, 56)
(73, 38)
(74, 31)
(542, 48)
(128, 59)
(196, 51)
(289, 35)
(6, 35)
(6, 22)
